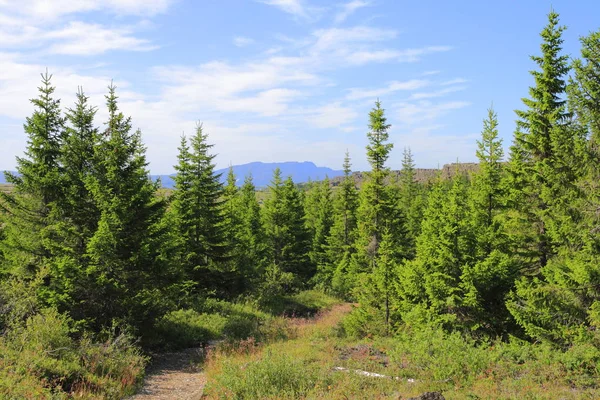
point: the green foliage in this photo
(318, 206)
(40, 359)
(445, 248)
(343, 229)
(124, 278)
(287, 235)
(274, 376)
(198, 209)
(37, 187)
(411, 201)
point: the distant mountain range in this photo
(262, 173)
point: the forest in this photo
(483, 285)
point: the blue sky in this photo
(283, 80)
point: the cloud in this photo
(394, 86)
(412, 113)
(349, 8)
(455, 81)
(79, 38)
(241, 41)
(333, 115)
(293, 7)
(437, 93)
(45, 11)
(30, 25)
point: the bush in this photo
(273, 376)
(187, 328)
(39, 359)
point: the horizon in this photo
(294, 83)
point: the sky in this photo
(283, 80)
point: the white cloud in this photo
(34, 24)
(294, 7)
(79, 38)
(394, 86)
(349, 8)
(241, 41)
(333, 115)
(437, 93)
(45, 10)
(424, 111)
(455, 81)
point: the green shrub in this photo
(40, 359)
(273, 376)
(186, 328)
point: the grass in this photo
(41, 360)
(414, 362)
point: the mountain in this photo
(263, 172)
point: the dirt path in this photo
(174, 376)
(179, 376)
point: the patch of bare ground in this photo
(174, 375)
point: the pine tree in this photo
(199, 213)
(374, 203)
(487, 281)
(319, 220)
(30, 208)
(562, 304)
(124, 279)
(287, 236)
(535, 162)
(410, 201)
(77, 214)
(251, 249)
(343, 231)
(430, 286)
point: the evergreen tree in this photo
(374, 199)
(77, 213)
(251, 248)
(487, 281)
(287, 236)
(124, 279)
(410, 200)
(319, 220)
(536, 160)
(562, 304)
(343, 230)
(37, 188)
(199, 213)
(430, 286)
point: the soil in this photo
(174, 376)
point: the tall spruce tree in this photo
(377, 213)
(77, 213)
(30, 207)
(199, 213)
(124, 279)
(491, 276)
(562, 304)
(288, 238)
(535, 162)
(251, 251)
(410, 200)
(343, 231)
(374, 199)
(430, 285)
(319, 219)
